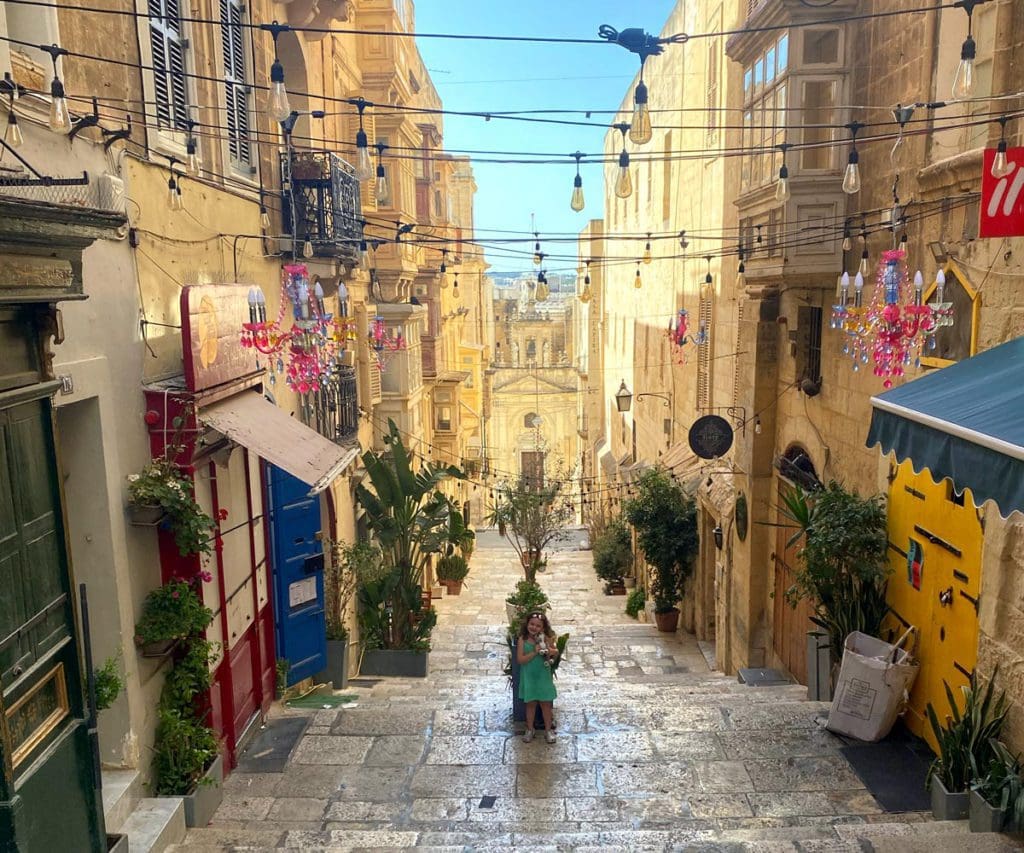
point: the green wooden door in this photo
(48, 799)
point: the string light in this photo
(637, 281)
(847, 242)
(640, 130)
(307, 248)
(963, 80)
(14, 135)
(278, 105)
(191, 151)
(782, 187)
(1001, 167)
(60, 116)
(684, 243)
(624, 182)
(382, 178)
(576, 203)
(647, 250)
(851, 178)
(537, 255)
(364, 164)
(173, 193)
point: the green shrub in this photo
(452, 568)
(613, 552)
(109, 683)
(636, 602)
(184, 747)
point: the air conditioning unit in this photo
(112, 197)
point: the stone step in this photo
(122, 789)
(155, 824)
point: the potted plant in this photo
(665, 521)
(531, 519)
(452, 571)
(186, 757)
(997, 792)
(613, 556)
(965, 742)
(347, 564)
(162, 493)
(636, 603)
(843, 562)
(527, 596)
(409, 518)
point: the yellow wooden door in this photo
(935, 542)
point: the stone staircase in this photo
(152, 824)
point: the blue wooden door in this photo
(298, 564)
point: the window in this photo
(237, 91)
(765, 103)
(167, 43)
(711, 80)
(820, 99)
(444, 418)
(808, 351)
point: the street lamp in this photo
(623, 397)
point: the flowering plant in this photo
(162, 483)
(173, 611)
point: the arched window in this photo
(531, 420)
(531, 350)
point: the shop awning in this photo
(271, 433)
(964, 423)
(684, 465)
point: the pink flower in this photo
(205, 576)
(175, 594)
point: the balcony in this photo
(336, 410)
(320, 203)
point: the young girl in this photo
(535, 651)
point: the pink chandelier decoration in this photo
(896, 327)
(305, 351)
(384, 343)
(679, 334)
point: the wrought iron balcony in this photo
(320, 203)
(337, 406)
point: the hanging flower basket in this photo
(145, 515)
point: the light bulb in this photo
(364, 255)
(637, 282)
(264, 218)
(940, 286)
(277, 104)
(60, 118)
(1000, 166)
(684, 243)
(624, 183)
(585, 295)
(364, 165)
(782, 187)
(640, 131)
(843, 290)
(191, 157)
(847, 243)
(757, 426)
(577, 194)
(647, 253)
(536, 254)
(851, 180)
(444, 282)
(863, 269)
(307, 249)
(741, 275)
(14, 135)
(963, 80)
(173, 194)
(382, 185)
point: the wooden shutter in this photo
(168, 48)
(704, 357)
(235, 83)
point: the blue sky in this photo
(494, 76)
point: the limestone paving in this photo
(655, 751)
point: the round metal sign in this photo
(710, 437)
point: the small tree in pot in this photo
(665, 520)
(451, 571)
(613, 554)
(531, 519)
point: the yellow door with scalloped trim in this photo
(935, 542)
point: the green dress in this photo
(536, 684)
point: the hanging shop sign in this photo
(710, 437)
(741, 516)
(210, 317)
(1002, 197)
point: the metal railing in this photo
(320, 203)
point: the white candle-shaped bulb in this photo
(318, 294)
(918, 287)
(844, 287)
(261, 306)
(940, 286)
(252, 304)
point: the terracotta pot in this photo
(667, 622)
(453, 587)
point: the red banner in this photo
(1002, 199)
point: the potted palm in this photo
(997, 793)
(665, 521)
(408, 516)
(964, 743)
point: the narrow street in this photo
(655, 751)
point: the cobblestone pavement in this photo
(655, 751)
